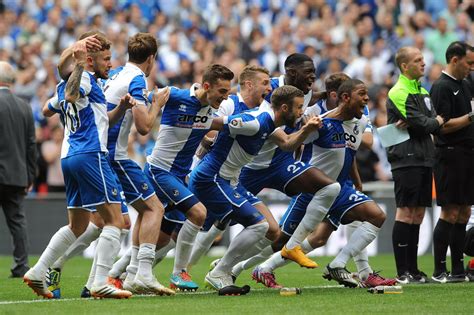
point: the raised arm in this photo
(66, 60)
(126, 102)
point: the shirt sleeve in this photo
(53, 104)
(138, 90)
(226, 108)
(245, 125)
(86, 86)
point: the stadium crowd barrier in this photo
(47, 213)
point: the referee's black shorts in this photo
(454, 176)
(413, 186)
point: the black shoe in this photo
(19, 272)
(418, 277)
(86, 293)
(440, 278)
(404, 278)
(457, 278)
(234, 290)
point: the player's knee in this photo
(273, 232)
(378, 218)
(197, 214)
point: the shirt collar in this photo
(443, 71)
(131, 65)
(193, 88)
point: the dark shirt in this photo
(451, 99)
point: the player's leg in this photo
(456, 245)
(325, 192)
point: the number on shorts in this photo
(71, 115)
(293, 168)
(358, 196)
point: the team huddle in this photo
(215, 151)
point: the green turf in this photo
(17, 298)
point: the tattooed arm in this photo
(74, 82)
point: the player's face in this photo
(416, 65)
(261, 85)
(217, 92)
(294, 112)
(358, 100)
(303, 76)
(101, 62)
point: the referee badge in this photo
(427, 103)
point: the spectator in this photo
(17, 165)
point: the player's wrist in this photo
(470, 116)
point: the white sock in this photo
(360, 239)
(90, 280)
(57, 246)
(315, 213)
(106, 252)
(202, 244)
(184, 245)
(252, 261)
(306, 246)
(120, 265)
(161, 253)
(362, 259)
(146, 256)
(245, 243)
(80, 244)
(132, 268)
(275, 261)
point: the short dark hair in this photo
(285, 95)
(457, 49)
(296, 59)
(335, 80)
(215, 72)
(141, 46)
(348, 86)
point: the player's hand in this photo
(161, 96)
(313, 123)
(127, 101)
(81, 47)
(400, 124)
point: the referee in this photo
(409, 106)
(454, 167)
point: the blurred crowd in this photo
(359, 37)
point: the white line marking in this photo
(148, 296)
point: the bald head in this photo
(7, 74)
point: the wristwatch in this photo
(471, 116)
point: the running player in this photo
(90, 181)
(187, 117)
(344, 126)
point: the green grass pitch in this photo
(319, 296)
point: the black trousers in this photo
(11, 201)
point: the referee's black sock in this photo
(457, 245)
(413, 248)
(400, 241)
(441, 240)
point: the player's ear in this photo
(206, 86)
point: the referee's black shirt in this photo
(452, 98)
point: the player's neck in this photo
(249, 100)
(340, 113)
(201, 95)
(142, 66)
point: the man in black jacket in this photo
(454, 168)
(409, 106)
(17, 164)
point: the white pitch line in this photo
(148, 296)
